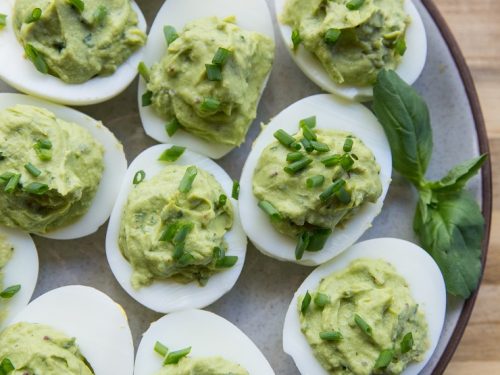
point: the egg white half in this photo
(335, 114)
(22, 269)
(412, 262)
(252, 15)
(20, 73)
(208, 335)
(167, 296)
(409, 68)
(115, 166)
(99, 325)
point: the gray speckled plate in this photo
(259, 301)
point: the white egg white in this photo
(252, 15)
(115, 166)
(22, 269)
(410, 261)
(409, 68)
(167, 296)
(208, 335)
(20, 73)
(99, 325)
(335, 114)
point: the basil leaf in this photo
(451, 228)
(456, 178)
(405, 118)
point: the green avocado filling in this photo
(353, 40)
(6, 251)
(173, 227)
(203, 366)
(50, 169)
(35, 349)
(363, 320)
(79, 40)
(211, 79)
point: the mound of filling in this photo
(203, 366)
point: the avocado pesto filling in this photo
(32, 349)
(173, 227)
(6, 251)
(363, 320)
(353, 40)
(77, 43)
(203, 366)
(50, 169)
(211, 79)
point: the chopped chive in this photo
(332, 190)
(5, 177)
(172, 154)
(6, 367)
(3, 20)
(188, 179)
(178, 251)
(297, 166)
(363, 325)
(315, 181)
(44, 154)
(384, 359)
(400, 46)
(306, 301)
(330, 336)
(36, 188)
(169, 232)
(78, 4)
(318, 239)
(343, 195)
(161, 349)
(185, 260)
(34, 56)
(172, 126)
(139, 177)
(44, 144)
(294, 156)
(227, 261)
(354, 156)
(308, 132)
(147, 98)
(221, 56)
(332, 35)
(320, 147)
(222, 200)
(13, 182)
(407, 343)
(2, 156)
(34, 16)
(144, 71)
(182, 233)
(307, 145)
(235, 193)
(332, 161)
(355, 4)
(296, 38)
(348, 144)
(214, 72)
(170, 34)
(34, 171)
(218, 253)
(302, 245)
(174, 357)
(321, 300)
(210, 105)
(100, 14)
(346, 161)
(270, 210)
(284, 138)
(10, 292)
(310, 122)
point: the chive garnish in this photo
(13, 182)
(221, 56)
(170, 34)
(310, 122)
(302, 244)
(332, 190)
(139, 177)
(34, 56)
(363, 325)
(6, 176)
(185, 260)
(315, 181)
(307, 145)
(218, 253)
(182, 233)
(2, 156)
(222, 200)
(400, 46)
(318, 239)
(36, 188)
(34, 16)
(214, 72)
(348, 144)
(161, 349)
(100, 15)
(355, 4)
(296, 38)
(227, 261)
(332, 35)
(285, 139)
(44, 144)
(174, 357)
(321, 300)
(10, 292)
(384, 359)
(169, 232)
(346, 161)
(210, 105)
(178, 251)
(407, 343)
(308, 132)
(332, 161)
(34, 171)
(172, 126)
(294, 156)
(3, 20)
(144, 71)
(188, 179)
(235, 193)
(147, 98)
(306, 301)
(172, 154)
(270, 210)
(78, 4)
(6, 367)
(297, 166)
(330, 336)
(320, 147)
(343, 195)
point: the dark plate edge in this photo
(486, 174)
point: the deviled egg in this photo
(71, 52)
(60, 170)
(341, 45)
(377, 308)
(187, 340)
(205, 67)
(71, 330)
(18, 272)
(315, 180)
(174, 239)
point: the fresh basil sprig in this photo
(448, 220)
